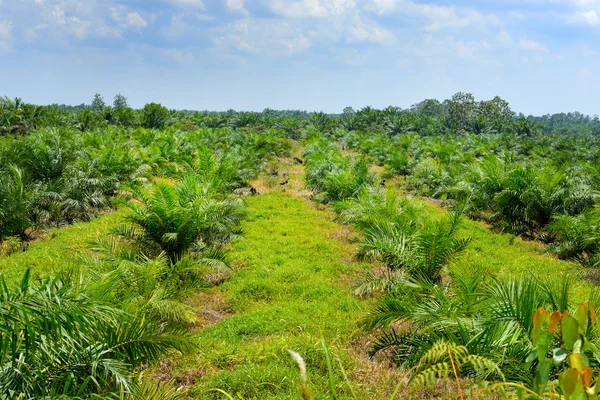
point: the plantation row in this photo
(543, 187)
(460, 114)
(510, 337)
(182, 176)
(56, 176)
(86, 332)
(515, 174)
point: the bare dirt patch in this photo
(211, 308)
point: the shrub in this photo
(11, 245)
(155, 116)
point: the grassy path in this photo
(504, 254)
(501, 254)
(295, 272)
(294, 286)
(60, 249)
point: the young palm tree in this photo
(175, 219)
(425, 252)
(490, 318)
(371, 207)
(57, 341)
(18, 203)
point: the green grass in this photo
(292, 288)
(292, 285)
(60, 249)
(504, 254)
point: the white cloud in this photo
(436, 17)
(381, 6)
(135, 20)
(128, 19)
(78, 27)
(32, 33)
(265, 37)
(368, 32)
(450, 49)
(589, 17)
(64, 20)
(116, 13)
(449, 17)
(532, 45)
(311, 8)
(235, 5)
(504, 38)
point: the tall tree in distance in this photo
(461, 110)
(98, 103)
(120, 102)
(155, 116)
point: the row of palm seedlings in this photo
(54, 177)
(89, 331)
(542, 187)
(442, 321)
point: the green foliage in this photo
(98, 105)
(89, 121)
(120, 102)
(155, 116)
(58, 341)
(564, 354)
(444, 359)
(395, 235)
(176, 219)
(332, 175)
(11, 245)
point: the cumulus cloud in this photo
(311, 8)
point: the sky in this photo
(543, 56)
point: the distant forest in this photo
(460, 114)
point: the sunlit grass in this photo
(504, 254)
(59, 249)
(291, 288)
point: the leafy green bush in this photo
(155, 116)
(11, 245)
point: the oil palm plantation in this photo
(491, 318)
(57, 341)
(422, 252)
(176, 219)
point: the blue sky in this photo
(543, 56)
